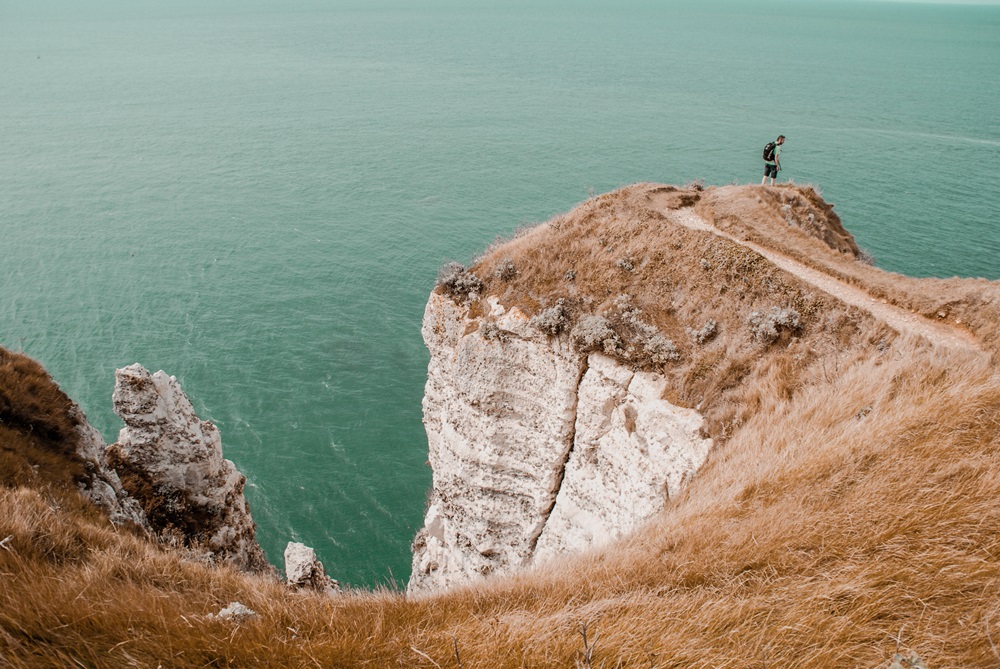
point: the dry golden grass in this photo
(851, 508)
(37, 428)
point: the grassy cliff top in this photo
(697, 266)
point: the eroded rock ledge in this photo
(537, 449)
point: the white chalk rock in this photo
(536, 449)
(304, 571)
(499, 416)
(236, 612)
(632, 451)
(171, 462)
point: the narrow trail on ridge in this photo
(903, 321)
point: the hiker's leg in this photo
(769, 171)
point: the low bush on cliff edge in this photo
(456, 280)
(768, 326)
(554, 320)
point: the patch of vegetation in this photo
(644, 342)
(38, 437)
(625, 264)
(594, 333)
(505, 271)
(623, 333)
(491, 331)
(554, 320)
(768, 326)
(458, 282)
(705, 333)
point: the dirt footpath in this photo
(901, 320)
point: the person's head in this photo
(780, 140)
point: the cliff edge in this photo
(581, 372)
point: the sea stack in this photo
(171, 462)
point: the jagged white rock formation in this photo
(171, 462)
(304, 571)
(536, 449)
(101, 484)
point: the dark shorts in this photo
(770, 171)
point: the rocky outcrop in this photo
(536, 449)
(101, 484)
(304, 571)
(171, 462)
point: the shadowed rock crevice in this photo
(561, 474)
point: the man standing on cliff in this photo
(772, 160)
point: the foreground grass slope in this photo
(850, 506)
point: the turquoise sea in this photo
(256, 196)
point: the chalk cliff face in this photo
(536, 449)
(171, 462)
(632, 450)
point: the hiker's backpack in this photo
(769, 151)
